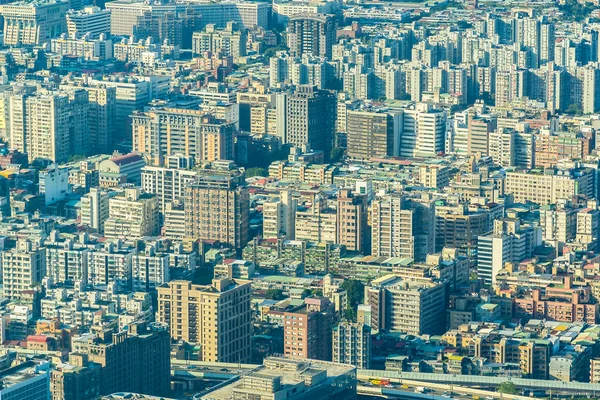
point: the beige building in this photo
(94, 209)
(549, 187)
(217, 207)
(192, 133)
(392, 228)
(22, 268)
(279, 216)
(33, 23)
(132, 214)
(216, 316)
(317, 223)
(352, 215)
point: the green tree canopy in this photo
(336, 154)
(275, 294)
(355, 290)
(256, 171)
(508, 388)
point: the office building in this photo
(215, 316)
(548, 187)
(132, 214)
(131, 94)
(372, 134)
(307, 329)
(160, 133)
(311, 34)
(423, 131)
(22, 268)
(293, 379)
(91, 20)
(413, 306)
(137, 360)
(27, 381)
(217, 209)
(33, 23)
(305, 117)
(352, 344)
(77, 379)
(508, 242)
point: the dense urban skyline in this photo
(303, 199)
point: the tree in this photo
(508, 388)
(336, 154)
(275, 294)
(355, 290)
(306, 293)
(350, 314)
(256, 171)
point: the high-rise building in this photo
(307, 117)
(279, 216)
(168, 184)
(27, 381)
(50, 125)
(230, 41)
(216, 316)
(91, 20)
(311, 34)
(508, 242)
(423, 131)
(132, 214)
(352, 344)
(22, 267)
(307, 329)
(160, 133)
(217, 208)
(33, 23)
(352, 216)
(102, 113)
(591, 96)
(392, 228)
(372, 134)
(415, 306)
(137, 360)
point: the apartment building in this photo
(307, 329)
(392, 228)
(352, 344)
(279, 216)
(414, 306)
(231, 41)
(94, 209)
(352, 215)
(217, 208)
(311, 34)
(160, 133)
(168, 184)
(132, 214)
(22, 268)
(216, 316)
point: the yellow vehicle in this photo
(475, 397)
(404, 386)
